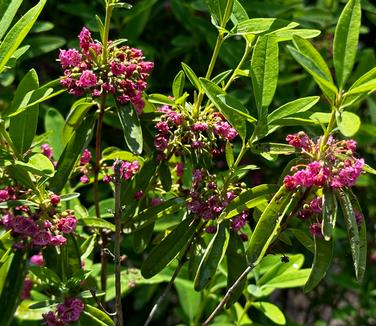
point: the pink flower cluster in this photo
(66, 313)
(127, 169)
(38, 227)
(124, 74)
(336, 167)
(208, 202)
(179, 131)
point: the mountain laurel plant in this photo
(57, 258)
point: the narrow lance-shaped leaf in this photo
(54, 124)
(8, 10)
(18, 32)
(170, 246)
(213, 255)
(321, 262)
(352, 228)
(346, 41)
(218, 10)
(131, 128)
(264, 67)
(22, 128)
(191, 76)
(178, 84)
(268, 225)
(236, 264)
(329, 213)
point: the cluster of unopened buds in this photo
(121, 71)
(66, 313)
(332, 164)
(36, 226)
(207, 201)
(180, 132)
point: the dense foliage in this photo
(187, 162)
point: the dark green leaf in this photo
(178, 84)
(142, 237)
(165, 176)
(97, 223)
(321, 262)
(71, 153)
(46, 275)
(213, 255)
(170, 246)
(191, 76)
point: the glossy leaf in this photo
(352, 229)
(271, 311)
(220, 10)
(142, 237)
(257, 26)
(160, 99)
(22, 128)
(288, 34)
(229, 155)
(248, 199)
(274, 148)
(236, 264)
(267, 225)
(304, 239)
(71, 152)
(189, 299)
(348, 123)
(178, 84)
(93, 316)
(131, 128)
(191, 76)
(236, 120)
(290, 108)
(264, 67)
(170, 246)
(75, 117)
(12, 287)
(321, 262)
(214, 254)
(38, 164)
(345, 42)
(329, 212)
(8, 10)
(54, 124)
(18, 32)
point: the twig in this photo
(230, 291)
(94, 295)
(118, 305)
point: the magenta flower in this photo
(47, 151)
(70, 58)
(37, 259)
(85, 157)
(87, 79)
(67, 224)
(54, 199)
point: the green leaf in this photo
(348, 123)
(131, 128)
(213, 255)
(191, 76)
(248, 199)
(231, 103)
(87, 246)
(264, 67)
(311, 60)
(160, 99)
(170, 246)
(236, 264)
(18, 32)
(8, 10)
(290, 108)
(22, 128)
(40, 45)
(274, 148)
(229, 155)
(352, 228)
(178, 84)
(54, 124)
(71, 152)
(304, 239)
(287, 35)
(345, 42)
(75, 117)
(97, 223)
(321, 262)
(257, 26)
(271, 311)
(221, 77)
(369, 169)
(106, 208)
(120, 155)
(165, 176)
(38, 164)
(288, 280)
(93, 316)
(329, 213)
(220, 10)
(189, 299)
(236, 120)
(239, 14)
(142, 237)
(267, 225)
(12, 286)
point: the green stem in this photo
(106, 31)
(7, 138)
